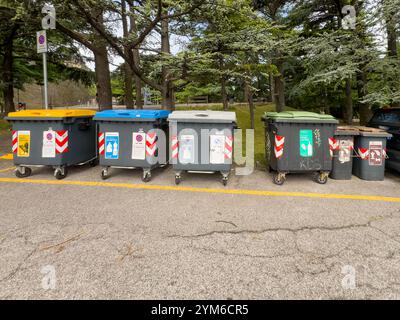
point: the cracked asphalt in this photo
(160, 244)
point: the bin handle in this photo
(201, 115)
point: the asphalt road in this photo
(82, 240)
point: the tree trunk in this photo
(127, 69)
(136, 62)
(364, 108)
(224, 94)
(167, 92)
(279, 88)
(348, 103)
(392, 43)
(272, 88)
(248, 93)
(8, 77)
(103, 81)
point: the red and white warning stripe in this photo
(279, 144)
(151, 143)
(333, 145)
(228, 147)
(101, 143)
(174, 147)
(14, 141)
(363, 153)
(62, 141)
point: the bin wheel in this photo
(321, 178)
(224, 181)
(60, 173)
(104, 174)
(178, 180)
(146, 177)
(27, 172)
(93, 162)
(279, 179)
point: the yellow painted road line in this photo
(7, 169)
(8, 156)
(202, 190)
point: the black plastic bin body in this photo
(299, 142)
(343, 153)
(57, 138)
(140, 144)
(370, 148)
(192, 135)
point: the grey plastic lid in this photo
(204, 116)
(346, 131)
(299, 117)
(375, 134)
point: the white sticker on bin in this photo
(49, 144)
(138, 145)
(217, 149)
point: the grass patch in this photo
(4, 126)
(243, 119)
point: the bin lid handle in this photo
(201, 115)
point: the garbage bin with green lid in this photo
(57, 138)
(370, 148)
(131, 139)
(343, 147)
(202, 141)
(298, 141)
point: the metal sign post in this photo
(48, 22)
(41, 41)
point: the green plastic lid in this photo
(299, 116)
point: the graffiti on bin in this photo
(317, 136)
(310, 164)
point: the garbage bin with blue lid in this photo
(201, 142)
(299, 141)
(370, 148)
(132, 139)
(58, 138)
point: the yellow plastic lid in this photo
(60, 113)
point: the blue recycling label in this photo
(111, 145)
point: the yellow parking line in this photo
(202, 190)
(7, 169)
(8, 156)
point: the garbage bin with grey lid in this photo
(370, 148)
(130, 139)
(57, 138)
(201, 141)
(343, 153)
(299, 141)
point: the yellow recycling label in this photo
(24, 143)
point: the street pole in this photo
(46, 102)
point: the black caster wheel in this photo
(278, 179)
(146, 177)
(27, 173)
(104, 174)
(94, 162)
(224, 182)
(178, 180)
(60, 174)
(321, 178)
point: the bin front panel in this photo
(53, 143)
(129, 144)
(211, 150)
(342, 163)
(297, 147)
(370, 161)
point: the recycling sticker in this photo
(111, 145)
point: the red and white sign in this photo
(62, 141)
(138, 146)
(151, 144)
(333, 145)
(376, 153)
(279, 145)
(14, 141)
(363, 153)
(228, 147)
(101, 143)
(174, 147)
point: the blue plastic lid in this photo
(132, 114)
